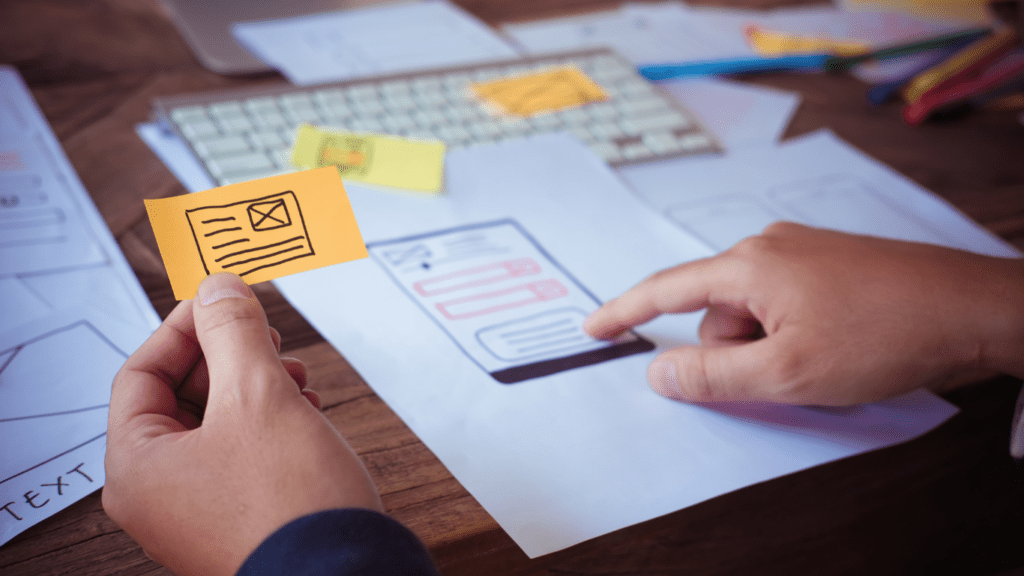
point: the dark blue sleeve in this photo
(347, 542)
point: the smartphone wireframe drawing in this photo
(504, 301)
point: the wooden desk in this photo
(951, 501)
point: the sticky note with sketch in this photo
(260, 230)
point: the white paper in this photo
(562, 458)
(738, 114)
(19, 304)
(644, 34)
(340, 45)
(52, 237)
(55, 377)
(55, 367)
(40, 227)
(817, 180)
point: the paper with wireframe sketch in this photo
(260, 230)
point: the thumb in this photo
(235, 338)
(713, 374)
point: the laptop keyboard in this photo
(247, 134)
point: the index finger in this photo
(146, 383)
(689, 287)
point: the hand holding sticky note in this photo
(373, 159)
(260, 230)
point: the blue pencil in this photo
(733, 66)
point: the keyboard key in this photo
(661, 121)
(270, 120)
(292, 101)
(428, 118)
(232, 165)
(283, 158)
(259, 106)
(303, 116)
(606, 131)
(253, 175)
(397, 123)
(661, 142)
(694, 142)
(226, 109)
(643, 105)
(266, 139)
(221, 146)
(200, 129)
(602, 111)
(367, 107)
(607, 150)
(634, 151)
(236, 125)
(453, 133)
(189, 115)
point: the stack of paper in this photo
(71, 311)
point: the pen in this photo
(829, 62)
(732, 66)
(993, 81)
(842, 63)
(882, 92)
(962, 66)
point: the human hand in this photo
(800, 315)
(213, 442)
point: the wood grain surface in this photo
(949, 502)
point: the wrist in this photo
(1000, 319)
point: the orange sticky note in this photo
(550, 90)
(260, 230)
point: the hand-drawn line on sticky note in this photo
(229, 242)
(260, 230)
(541, 92)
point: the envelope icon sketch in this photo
(260, 230)
(268, 215)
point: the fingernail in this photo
(662, 377)
(219, 286)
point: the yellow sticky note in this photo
(373, 159)
(260, 230)
(771, 43)
(551, 90)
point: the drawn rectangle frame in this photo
(252, 201)
(528, 371)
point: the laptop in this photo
(206, 26)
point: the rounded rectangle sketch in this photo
(250, 235)
(848, 204)
(557, 330)
(504, 301)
